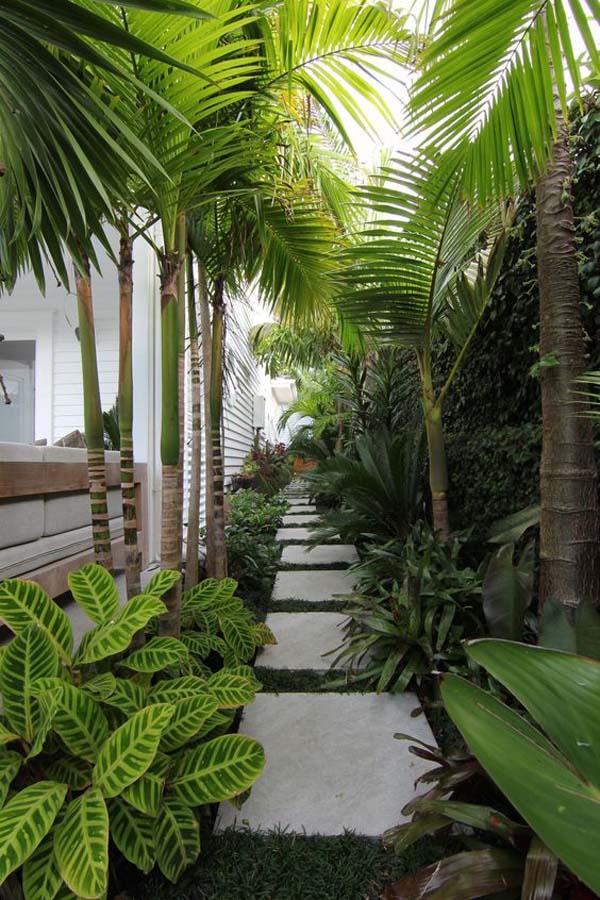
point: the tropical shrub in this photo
(257, 512)
(267, 470)
(252, 551)
(413, 608)
(101, 742)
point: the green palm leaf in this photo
(177, 839)
(81, 845)
(217, 770)
(133, 833)
(25, 821)
(130, 750)
(157, 654)
(95, 590)
(24, 603)
(29, 657)
(115, 636)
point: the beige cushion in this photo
(65, 512)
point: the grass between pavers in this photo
(292, 605)
(306, 681)
(240, 865)
(322, 567)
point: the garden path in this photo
(332, 760)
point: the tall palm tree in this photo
(494, 82)
(424, 267)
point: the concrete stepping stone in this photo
(302, 639)
(294, 534)
(314, 587)
(300, 501)
(332, 762)
(302, 509)
(321, 555)
(304, 519)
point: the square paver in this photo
(304, 519)
(300, 509)
(294, 534)
(313, 586)
(321, 555)
(332, 762)
(300, 501)
(302, 639)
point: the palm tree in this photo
(494, 83)
(424, 267)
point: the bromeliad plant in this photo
(100, 742)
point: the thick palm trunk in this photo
(171, 514)
(92, 414)
(216, 410)
(193, 529)
(209, 483)
(130, 530)
(569, 550)
(436, 450)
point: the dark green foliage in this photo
(252, 551)
(112, 433)
(306, 681)
(239, 865)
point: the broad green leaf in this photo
(507, 589)
(176, 688)
(559, 805)
(10, 763)
(95, 590)
(217, 770)
(81, 845)
(161, 582)
(177, 839)
(190, 715)
(249, 674)
(78, 720)
(41, 878)
(100, 686)
(211, 593)
(231, 690)
(239, 635)
(76, 773)
(129, 751)
(263, 635)
(31, 655)
(24, 603)
(133, 833)
(127, 696)
(219, 722)
(145, 794)
(25, 821)
(157, 654)
(115, 636)
(48, 703)
(6, 736)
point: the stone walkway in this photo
(332, 760)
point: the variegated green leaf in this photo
(217, 770)
(231, 690)
(157, 654)
(24, 603)
(75, 772)
(161, 582)
(78, 720)
(127, 696)
(10, 763)
(239, 636)
(95, 590)
(115, 636)
(7, 736)
(218, 723)
(195, 666)
(129, 752)
(190, 715)
(198, 643)
(81, 845)
(177, 839)
(41, 878)
(211, 593)
(133, 833)
(101, 686)
(145, 794)
(48, 703)
(177, 688)
(25, 821)
(249, 674)
(262, 634)
(31, 655)
(206, 620)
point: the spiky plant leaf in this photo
(161, 582)
(177, 839)
(10, 763)
(231, 690)
(129, 751)
(25, 821)
(133, 833)
(24, 603)
(41, 878)
(159, 653)
(95, 590)
(217, 770)
(31, 655)
(190, 715)
(81, 845)
(115, 636)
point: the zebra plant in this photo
(99, 742)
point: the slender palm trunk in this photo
(181, 239)
(193, 529)
(569, 549)
(436, 448)
(209, 483)
(92, 414)
(130, 532)
(216, 410)
(170, 553)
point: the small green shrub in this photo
(100, 742)
(252, 551)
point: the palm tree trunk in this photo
(569, 549)
(181, 239)
(216, 410)
(209, 483)
(170, 553)
(92, 414)
(436, 448)
(130, 533)
(193, 529)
